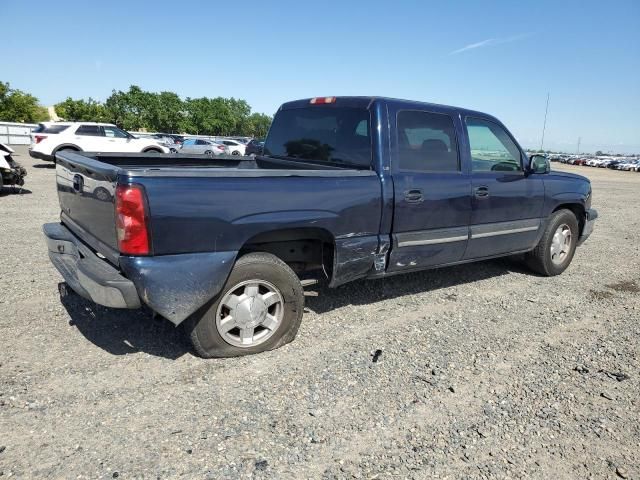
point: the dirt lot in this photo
(485, 371)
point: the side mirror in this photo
(539, 164)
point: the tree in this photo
(137, 109)
(257, 125)
(82, 110)
(18, 106)
(599, 153)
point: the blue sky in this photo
(501, 57)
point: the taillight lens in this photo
(131, 220)
(39, 138)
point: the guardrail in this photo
(13, 133)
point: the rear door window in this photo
(89, 130)
(427, 142)
(324, 134)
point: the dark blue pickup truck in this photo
(347, 188)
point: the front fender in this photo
(175, 286)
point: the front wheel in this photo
(259, 308)
(556, 248)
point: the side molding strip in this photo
(461, 234)
(432, 237)
(504, 228)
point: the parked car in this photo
(613, 164)
(168, 141)
(48, 138)
(348, 188)
(233, 147)
(198, 145)
(627, 165)
(254, 147)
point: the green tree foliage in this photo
(18, 106)
(136, 109)
(81, 110)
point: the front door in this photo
(507, 202)
(116, 140)
(432, 191)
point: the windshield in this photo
(325, 134)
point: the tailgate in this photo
(86, 189)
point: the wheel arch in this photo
(151, 148)
(302, 248)
(577, 209)
(68, 146)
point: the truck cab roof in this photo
(368, 101)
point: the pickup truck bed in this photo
(203, 210)
(347, 188)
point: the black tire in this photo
(152, 150)
(539, 259)
(201, 326)
(235, 152)
(208, 152)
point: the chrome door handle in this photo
(481, 192)
(413, 196)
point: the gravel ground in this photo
(483, 370)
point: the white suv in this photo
(49, 138)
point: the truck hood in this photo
(569, 175)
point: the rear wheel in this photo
(259, 308)
(208, 152)
(152, 150)
(556, 248)
(235, 152)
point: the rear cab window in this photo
(333, 135)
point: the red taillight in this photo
(322, 100)
(131, 220)
(39, 138)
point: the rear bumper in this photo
(87, 274)
(41, 156)
(589, 223)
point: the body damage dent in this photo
(354, 257)
(175, 286)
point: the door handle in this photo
(413, 196)
(481, 192)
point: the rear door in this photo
(507, 201)
(89, 137)
(432, 189)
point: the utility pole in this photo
(544, 126)
(578, 152)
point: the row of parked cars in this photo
(49, 138)
(625, 164)
(217, 146)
